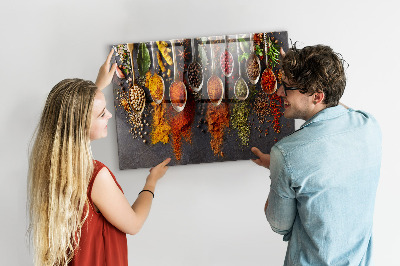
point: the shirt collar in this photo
(326, 114)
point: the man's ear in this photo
(318, 97)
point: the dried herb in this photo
(272, 53)
(240, 121)
(143, 59)
(241, 88)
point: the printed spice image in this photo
(240, 121)
(268, 81)
(137, 98)
(177, 92)
(156, 87)
(181, 127)
(215, 89)
(226, 62)
(134, 119)
(252, 68)
(205, 105)
(241, 89)
(268, 108)
(160, 129)
(218, 121)
(195, 74)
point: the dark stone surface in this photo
(133, 153)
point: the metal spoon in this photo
(195, 65)
(157, 101)
(136, 93)
(224, 55)
(252, 57)
(240, 79)
(177, 83)
(267, 70)
(217, 80)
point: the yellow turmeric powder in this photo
(160, 128)
(156, 87)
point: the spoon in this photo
(177, 103)
(137, 96)
(214, 83)
(225, 58)
(155, 75)
(267, 72)
(240, 80)
(253, 57)
(195, 71)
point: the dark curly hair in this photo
(316, 69)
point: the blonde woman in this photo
(78, 212)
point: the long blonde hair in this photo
(60, 168)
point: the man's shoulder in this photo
(324, 130)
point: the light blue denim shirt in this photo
(323, 183)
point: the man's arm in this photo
(280, 208)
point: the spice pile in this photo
(177, 93)
(268, 81)
(160, 129)
(268, 108)
(214, 89)
(239, 118)
(133, 118)
(226, 63)
(181, 127)
(218, 121)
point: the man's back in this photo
(330, 175)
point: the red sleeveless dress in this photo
(101, 243)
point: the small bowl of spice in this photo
(215, 90)
(178, 96)
(268, 81)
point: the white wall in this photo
(209, 214)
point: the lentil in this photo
(240, 121)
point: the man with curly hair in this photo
(324, 176)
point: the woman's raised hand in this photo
(105, 73)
